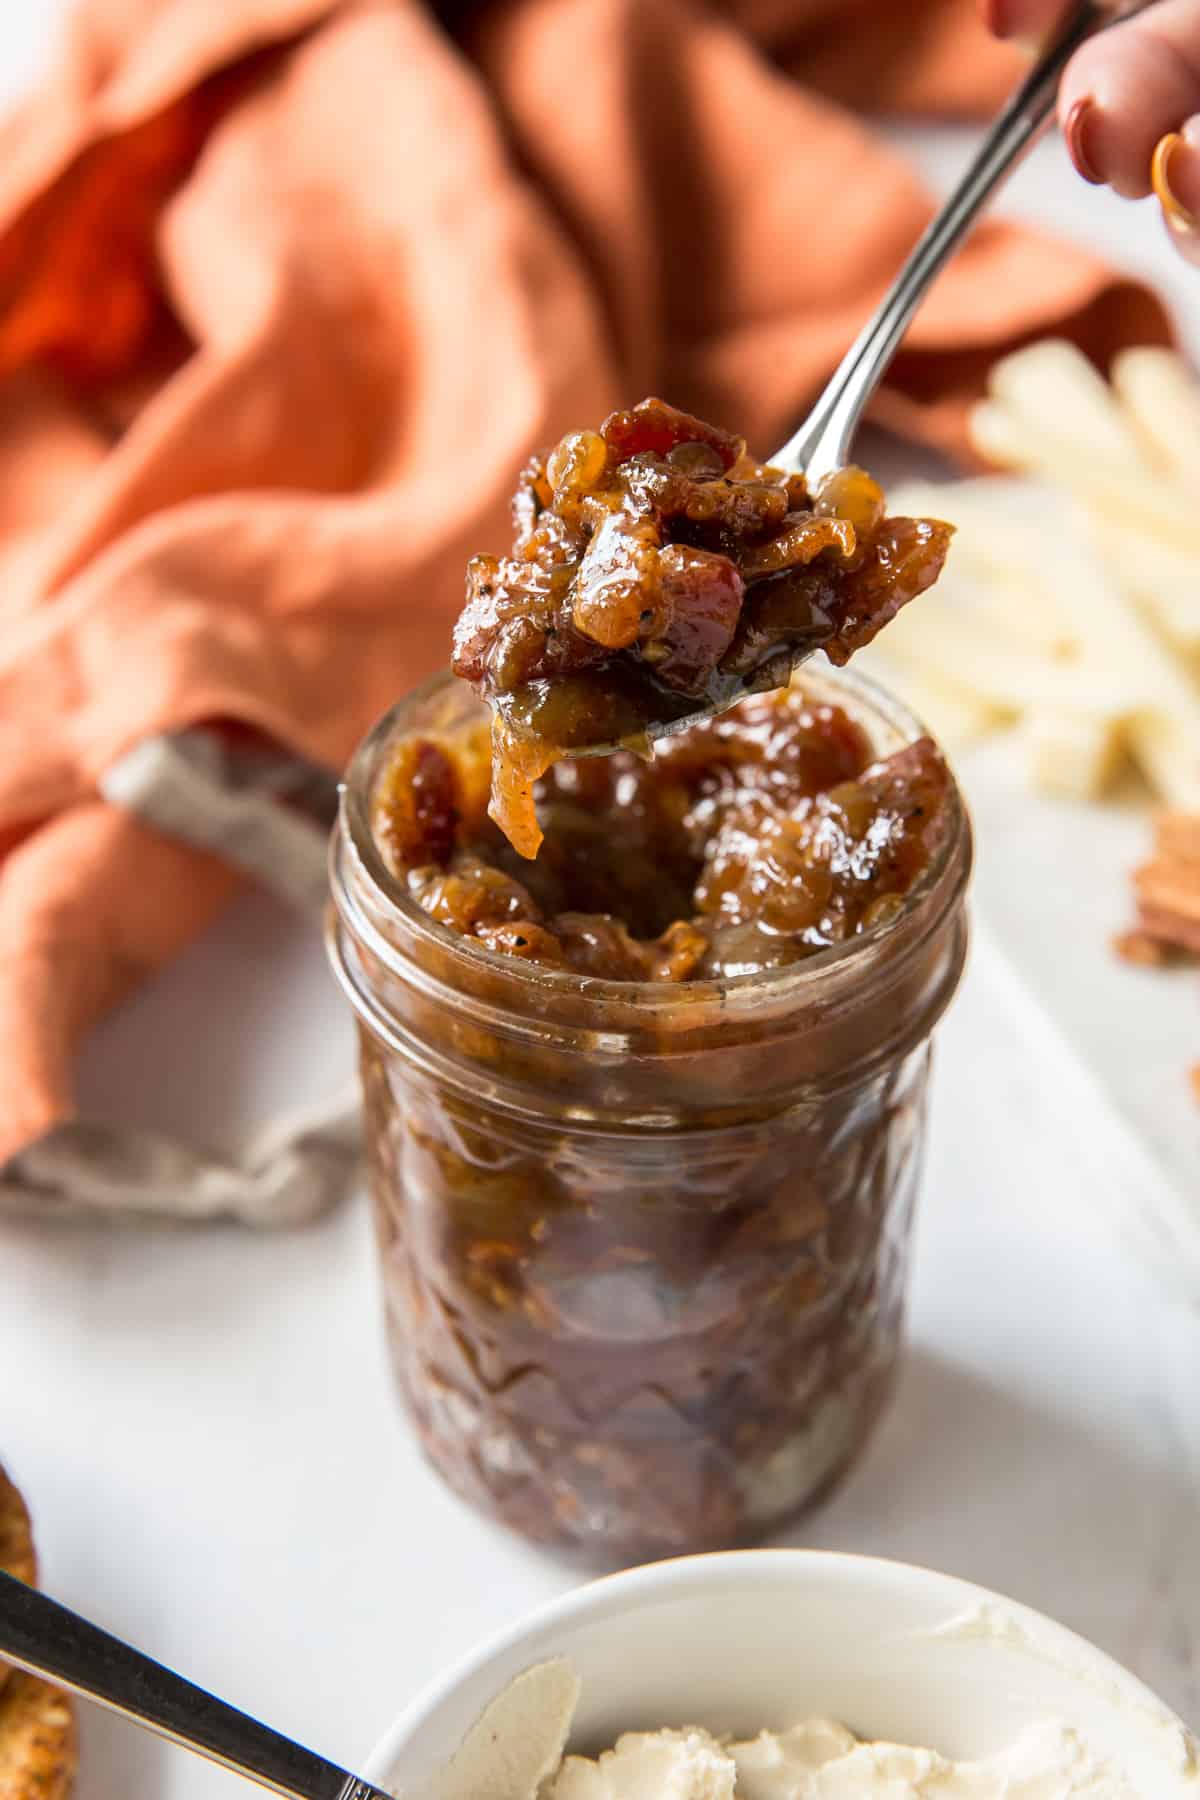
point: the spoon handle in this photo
(823, 441)
(39, 1635)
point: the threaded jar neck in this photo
(638, 1052)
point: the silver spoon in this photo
(822, 443)
(39, 1635)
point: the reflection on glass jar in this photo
(643, 1246)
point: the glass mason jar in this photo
(643, 1246)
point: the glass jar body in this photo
(644, 1345)
(644, 1255)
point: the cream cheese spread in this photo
(819, 1760)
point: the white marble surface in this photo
(203, 1422)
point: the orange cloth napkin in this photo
(288, 289)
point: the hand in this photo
(1129, 104)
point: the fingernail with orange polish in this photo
(1178, 216)
(1079, 130)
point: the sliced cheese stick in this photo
(1020, 607)
(1152, 503)
(966, 653)
(1161, 399)
(1162, 698)
(1002, 528)
(1073, 754)
(1020, 503)
(1000, 531)
(1002, 517)
(1162, 578)
(956, 718)
(1054, 390)
(1168, 752)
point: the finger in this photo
(1176, 177)
(1031, 21)
(1127, 88)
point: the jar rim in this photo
(790, 984)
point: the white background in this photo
(203, 1423)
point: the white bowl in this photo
(739, 1641)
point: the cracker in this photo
(38, 1751)
(16, 1534)
(38, 1744)
(17, 1555)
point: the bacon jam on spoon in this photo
(657, 574)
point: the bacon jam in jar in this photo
(645, 1116)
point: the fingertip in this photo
(1119, 94)
(1175, 178)
(1189, 164)
(1027, 20)
(1098, 141)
